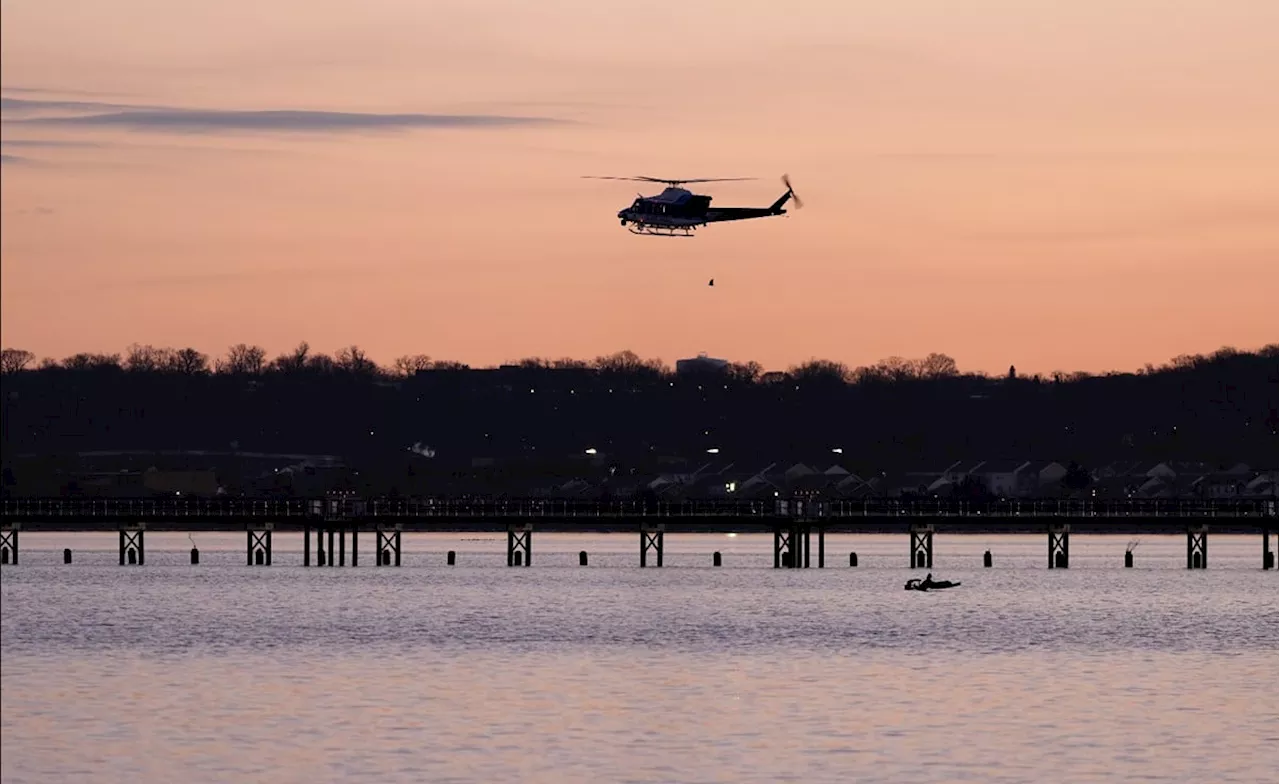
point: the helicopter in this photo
(677, 212)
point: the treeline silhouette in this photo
(898, 412)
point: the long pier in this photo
(795, 523)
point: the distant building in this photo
(700, 364)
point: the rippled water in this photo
(477, 672)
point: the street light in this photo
(591, 450)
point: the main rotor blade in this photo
(702, 179)
(668, 181)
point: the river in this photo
(610, 673)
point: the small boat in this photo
(916, 584)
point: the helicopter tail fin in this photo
(790, 194)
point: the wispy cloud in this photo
(45, 143)
(9, 160)
(163, 118)
(21, 105)
(29, 90)
(31, 211)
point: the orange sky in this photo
(1008, 182)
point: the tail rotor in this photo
(787, 182)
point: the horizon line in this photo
(158, 358)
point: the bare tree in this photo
(748, 372)
(821, 371)
(353, 360)
(243, 359)
(13, 360)
(140, 358)
(568, 363)
(320, 363)
(293, 361)
(411, 363)
(936, 366)
(188, 362)
(92, 362)
(629, 363)
(892, 369)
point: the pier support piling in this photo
(921, 546)
(582, 558)
(258, 543)
(9, 544)
(332, 554)
(66, 555)
(792, 546)
(132, 545)
(986, 560)
(715, 558)
(195, 556)
(853, 559)
(651, 539)
(782, 542)
(1268, 557)
(1059, 546)
(1198, 547)
(388, 549)
(519, 543)
(452, 558)
(1128, 559)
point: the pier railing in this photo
(174, 509)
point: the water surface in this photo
(477, 672)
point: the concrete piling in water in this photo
(519, 544)
(9, 544)
(387, 549)
(451, 558)
(1128, 559)
(1059, 546)
(66, 555)
(986, 560)
(320, 556)
(133, 545)
(715, 558)
(921, 546)
(258, 545)
(853, 559)
(651, 539)
(582, 558)
(195, 557)
(1197, 547)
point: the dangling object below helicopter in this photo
(677, 212)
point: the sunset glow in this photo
(1037, 184)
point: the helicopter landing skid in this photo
(662, 231)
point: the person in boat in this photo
(927, 582)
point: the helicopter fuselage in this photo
(678, 210)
